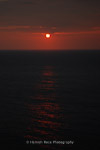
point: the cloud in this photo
(34, 29)
(77, 33)
(96, 28)
(53, 30)
(49, 15)
(14, 27)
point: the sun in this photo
(48, 35)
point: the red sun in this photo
(48, 35)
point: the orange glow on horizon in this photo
(38, 41)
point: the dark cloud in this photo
(65, 15)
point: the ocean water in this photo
(50, 96)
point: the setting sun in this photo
(48, 35)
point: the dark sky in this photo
(59, 17)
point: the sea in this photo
(50, 99)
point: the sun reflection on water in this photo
(45, 110)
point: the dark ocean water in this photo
(50, 95)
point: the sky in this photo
(73, 24)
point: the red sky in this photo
(72, 24)
(28, 40)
